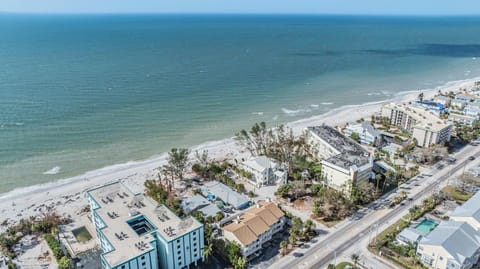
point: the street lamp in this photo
(334, 254)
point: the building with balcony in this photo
(344, 161)
(265, 171)
(137, 233)
(255, 227)
(365, 131)
(427, 128)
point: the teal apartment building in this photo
(137, 233)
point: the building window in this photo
(143, 263)
(180, 263)
(178, 252)
(194, 233)
(178, 240)
(195, 249)
(179, 258)
(194, 244)
(194, 239)
(178, 246)
(143, 258)
(123, 266)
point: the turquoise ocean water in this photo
(79, 93)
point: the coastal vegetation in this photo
(63, 261)
(467, 133)
(46, 226)
(278, 143)
(156, 190)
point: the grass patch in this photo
(329, 224)
(342, 265)
(456, 194)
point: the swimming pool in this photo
(81, 234)
(426, 226)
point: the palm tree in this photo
(309, 226)
(207, 251)
(240, 263)
(292, 240)
(283, 246)
(420, 97)
(355, 258)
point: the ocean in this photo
(82, 92)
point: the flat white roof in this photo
(118, 205)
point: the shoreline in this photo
(24, 201)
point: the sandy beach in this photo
(68, 196)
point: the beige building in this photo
(424, 125)
(255, 227)
(344, 162)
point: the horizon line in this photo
(244, 13)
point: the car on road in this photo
(471, 158)
(410, 199)
(439, 166)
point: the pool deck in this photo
(68, 238)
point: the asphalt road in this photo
(323, 262)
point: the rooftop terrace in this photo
(132, 218)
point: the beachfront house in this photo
(458, 104)
(427, 128)
(366, 132)
(214, 190)
(199, 203)
(344, 161)
(265, 171)
(472, 110)
(444, 100)
(392, 149)
(450, 245)
(437, 108)
(136, 232)
(465, 97)
(462, 119)
(255, 227)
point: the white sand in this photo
(68, 196)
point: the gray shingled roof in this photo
(457, 238)
(470, 208)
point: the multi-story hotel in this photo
(344, 162)
(137, 233)
(424, 125)
(255, 227)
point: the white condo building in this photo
(344, 162)
(265, 171)
(424, 125)
(137, 233)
